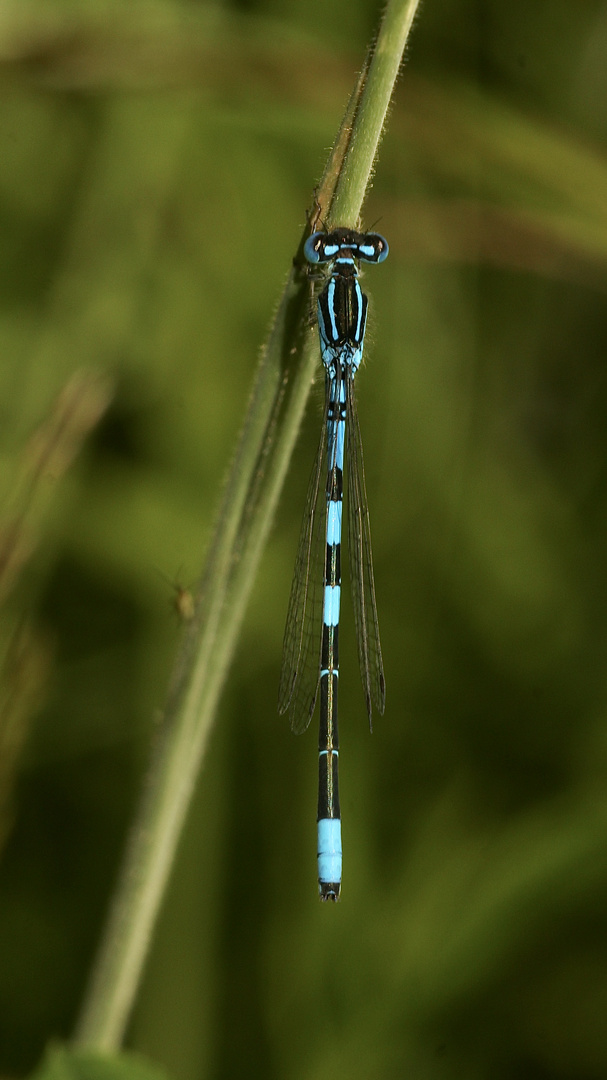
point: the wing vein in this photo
(300, 672)
(361, 565)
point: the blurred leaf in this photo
(62, 1063)
(49, 453)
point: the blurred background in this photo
(157, 159)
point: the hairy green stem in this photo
(251, 493)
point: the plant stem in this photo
(250, 497)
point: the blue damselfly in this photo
(310, 654)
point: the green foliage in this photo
(63, 1064)
(157, 162)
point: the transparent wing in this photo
(361, 564)
(300, 673)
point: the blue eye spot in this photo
(374, 248)
(314, 248)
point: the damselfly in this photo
(310, 655)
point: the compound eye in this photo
(374, 248)
(314, 248)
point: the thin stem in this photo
(251, 493)
(384, 62)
